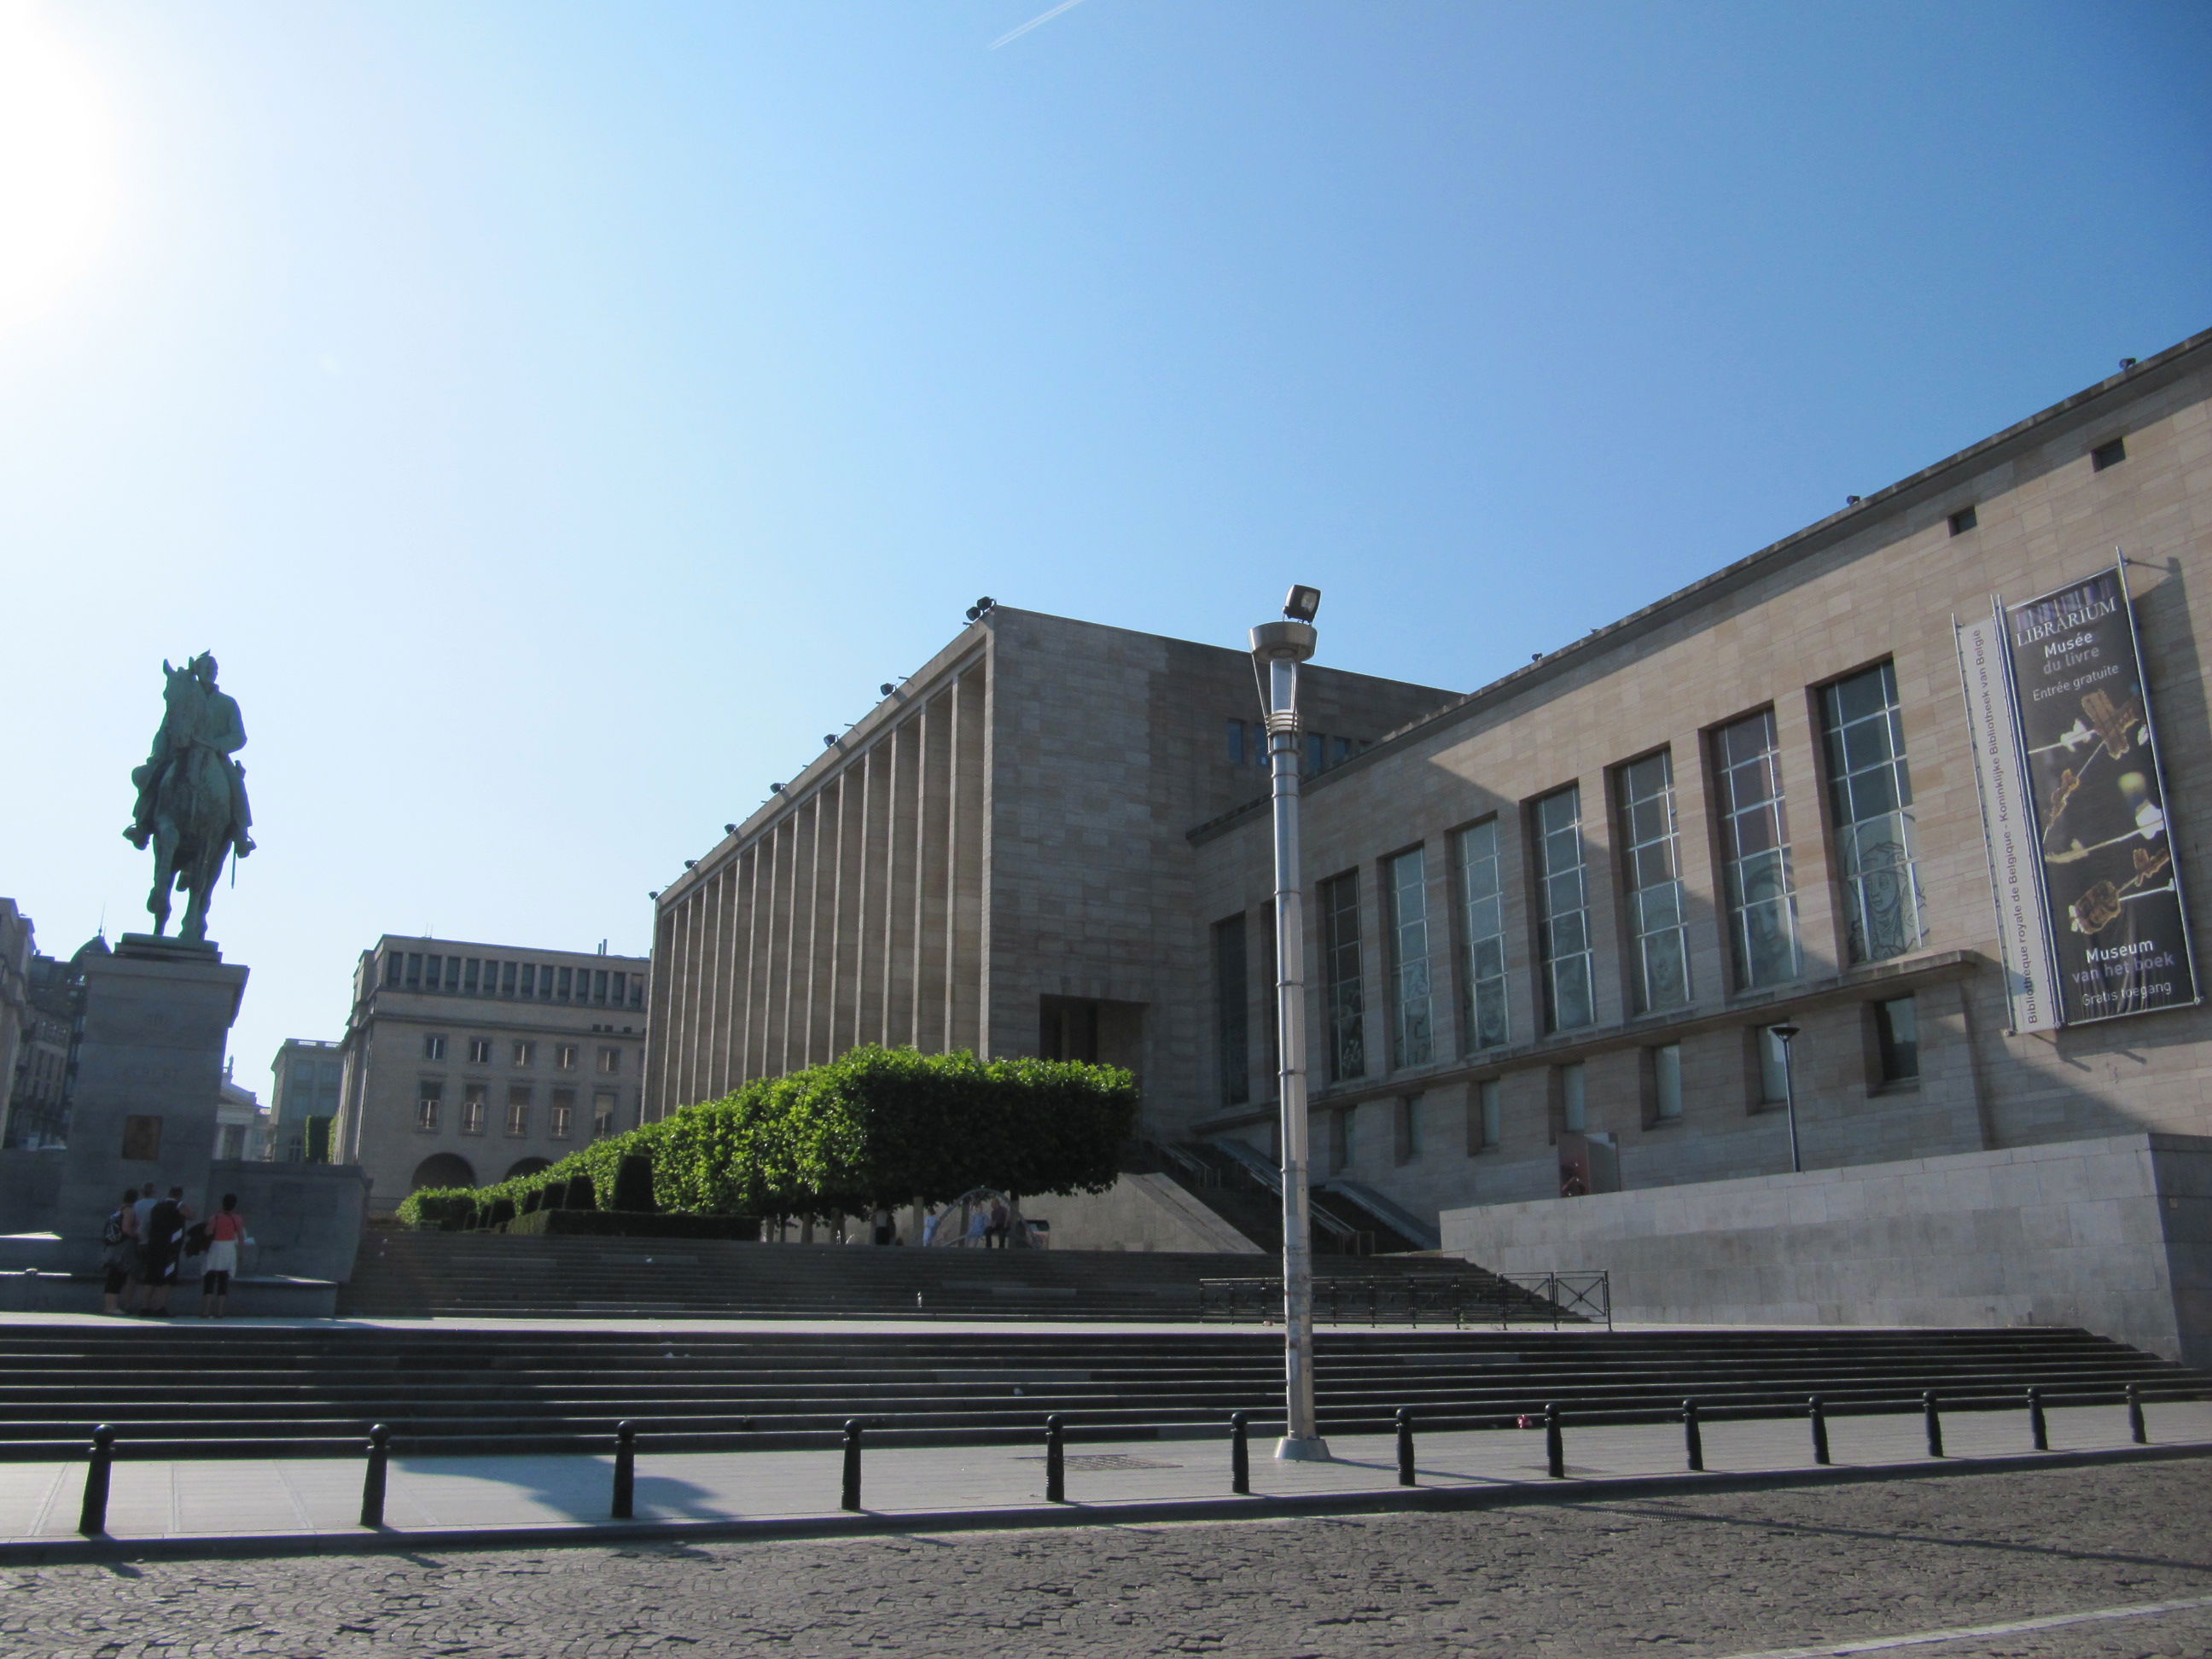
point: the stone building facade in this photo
(1553, 922)
(466, 1063)
(995, 857)
(1575, 901)
(307, 1082)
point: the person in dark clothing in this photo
(118, 1261)
(165, 1229)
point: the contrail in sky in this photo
(1042, 17)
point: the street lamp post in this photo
(1786, 1034)
(1278, 648)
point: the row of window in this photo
(522, 1053)
(1248, 746)
(1895, 1024)
(1869, 796)
(476, 1110)
(472, 976)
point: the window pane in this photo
(1871, 796)
(1563, 931)
(1232, 1010)
(1483, 1022)
(1340, 969)
(1405, 882)
(1762, 904)
(1660, 959)
(1574, 1112)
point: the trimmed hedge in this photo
(618, 1224)
(875, 1126)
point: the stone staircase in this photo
(190, 1390)
(407, 1275)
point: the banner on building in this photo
(2009, 830)
(2119, 935)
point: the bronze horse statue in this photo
(191, 796)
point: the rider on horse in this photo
(200, 726)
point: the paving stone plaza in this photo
(1724, 1574)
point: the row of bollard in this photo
(92, 1520)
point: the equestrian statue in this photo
(191, 796)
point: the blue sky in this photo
(558, 417)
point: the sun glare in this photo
(57, 166)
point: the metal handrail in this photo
(1458, 1299)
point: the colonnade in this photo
(855, 914)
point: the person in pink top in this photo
(226, 1231)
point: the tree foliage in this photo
(875, 1125)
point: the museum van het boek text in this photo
(1926, 783)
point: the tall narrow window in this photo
(434, 1048)
(1773, 1066)
(562, 1114)
(1406, 884)
(1489, 1114)
(1236, 731)
(472, 1115)
(507, 972)
(603, 1117)
(429, 1103)
(1651, 860)
(1897, 1037)
(1232, 1016)
(1870, 794)
(560, 984)
(1563, 901)
(1762, 903)
(1482, 1021)
(1574, 1105)
(1667, 1083)
(518, 1109)
(469, 975)
(1406, 1130)
(1346, 1000)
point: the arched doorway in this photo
(443, 1170)
(527, 1166)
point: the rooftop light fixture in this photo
(1302, 604)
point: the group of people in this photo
(987, 1226)
(149, 1237)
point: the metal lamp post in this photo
(1786, 1034)
(1278, 648)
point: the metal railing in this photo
(1413, 1298)
(626, 1441)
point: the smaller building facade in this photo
(307, 1082)
(47, 1006)
(467, 1063)
(241, 1122)
(16, 947)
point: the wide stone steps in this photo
(403, 1275)
(187, 1392)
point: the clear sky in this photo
(557, 417)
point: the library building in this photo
(1813, 946)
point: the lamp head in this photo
(1302, 604)
(1785, 1030)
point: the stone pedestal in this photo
(157, 1018)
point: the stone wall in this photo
(2114, 1235)
(1139, 1213)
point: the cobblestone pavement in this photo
(1707, 1575)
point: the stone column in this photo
(157, 1018)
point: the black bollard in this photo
(1934, 1424)
(92, 1520)
(1555, 1448)
(850, 1498)
(1817, 1413)
(371, 1482)
(625, 1503)
(1694, 1438)
(2137, 1431)
(1240, 1456)
(1055, 1462)
(2038, 1432)
(1405, 1446)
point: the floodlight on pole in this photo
(1278, 648)
(1786, 1034)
